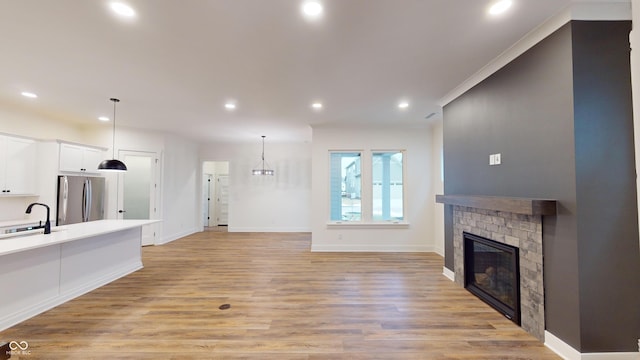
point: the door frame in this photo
(204, 188)
(151, 232)
(208, 181)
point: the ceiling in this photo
(178, 61)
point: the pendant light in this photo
(113, 165)
(263, 170)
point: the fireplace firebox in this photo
(492, 273)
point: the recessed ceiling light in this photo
(312, 9)
(103, 118)
(122, 9)
(316, 105)
(230, 106)
(500, 7)
(29, 94)
(403, 105)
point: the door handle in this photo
(84, 201)
(89, 199)
(65, 199)
(122, 211)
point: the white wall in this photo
(279, 203)
(216, 167)
(13, 208)
(437, 186)
(17, 122)
(419, 207)
(635, 77)
(180, 189)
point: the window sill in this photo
(368, 225)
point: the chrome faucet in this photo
(47, 224)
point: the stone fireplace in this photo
(515, 222)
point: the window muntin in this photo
(346, 186)
(387, 185)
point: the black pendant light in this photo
(113, 165)
(263, 170)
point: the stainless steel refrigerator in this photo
(80, 199)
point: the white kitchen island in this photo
(39, 272)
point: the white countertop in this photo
(67, 233)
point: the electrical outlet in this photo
(339, 236)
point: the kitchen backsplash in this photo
(13, 208)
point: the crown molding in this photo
(583, 10)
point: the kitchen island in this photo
(39, 272)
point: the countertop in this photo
(67, 233)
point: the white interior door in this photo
(208, 203)
(222, 200)
(137, 192)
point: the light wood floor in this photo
(286, 303)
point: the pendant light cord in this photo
(113, 154)
(263, 152)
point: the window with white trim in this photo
(376, 197)
(346, 186)
(387, 185)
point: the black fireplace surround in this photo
(491, 272)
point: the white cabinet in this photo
(76, 158)
(18, 166)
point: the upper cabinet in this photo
(18, 166)
(76, 158)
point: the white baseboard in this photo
(567, 352)
(370, 248)
(438, 250)
(25, 314)
(611, 356)
(268, 229)
(174, 237)
(560, 347)
(448, 274)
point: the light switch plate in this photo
(495, 159)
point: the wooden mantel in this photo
(526, 206)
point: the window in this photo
(346, 186)
(380, 190)
(387, 186)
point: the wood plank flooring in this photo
(286, 303)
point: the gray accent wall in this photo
(560, 115)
